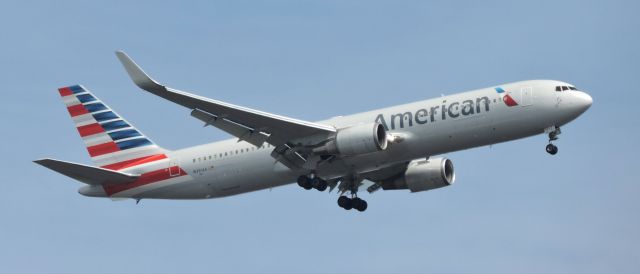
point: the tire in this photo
(345, 202)
(551, 149)
(322, 185)
(362, 206)
(304, 182)
(301, 180)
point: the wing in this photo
(253, 126)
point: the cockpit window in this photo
(563, 88)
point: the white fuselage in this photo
(431, 127)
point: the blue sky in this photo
(513, 209)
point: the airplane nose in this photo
(583, 100)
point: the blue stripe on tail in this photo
(133, 143)
(123, 134)
(113, 125)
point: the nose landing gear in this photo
(553, 135)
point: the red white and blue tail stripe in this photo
(111, 141)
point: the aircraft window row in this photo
(563, 88)
(229, 153)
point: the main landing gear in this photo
(355, 203)
(312, 181)
(553, 135)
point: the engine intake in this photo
(424, 174)
(356, 140)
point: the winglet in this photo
(139, 77)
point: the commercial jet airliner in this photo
(389, 148)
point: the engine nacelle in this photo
(425, 174)
(356, 140)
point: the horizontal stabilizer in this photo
(87, 174)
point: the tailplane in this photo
(88, 174)
(112, 142)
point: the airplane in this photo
(390, 148)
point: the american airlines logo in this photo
(506, 98)
(431, 114)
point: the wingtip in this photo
(42, 161)
(137, 75)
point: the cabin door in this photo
(174, 167)
(527, 96)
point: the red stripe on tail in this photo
(76, 110)
(90, 129)
(66, 91)
(102, 149)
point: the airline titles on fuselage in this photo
(431, 114)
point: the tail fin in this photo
(112, 142)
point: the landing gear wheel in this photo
(345, 202)
(305, 182)
(319, 184)
(552, 149)
(322, 187)
(359, 204)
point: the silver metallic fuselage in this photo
(425, 128)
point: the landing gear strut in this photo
(312, 181)
(553, 135)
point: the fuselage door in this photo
(527, 96)
(174, 167)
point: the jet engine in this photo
(356, 140)
(424, 174)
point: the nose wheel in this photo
(551, 149)
(553, 135)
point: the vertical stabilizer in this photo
(112, 142)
